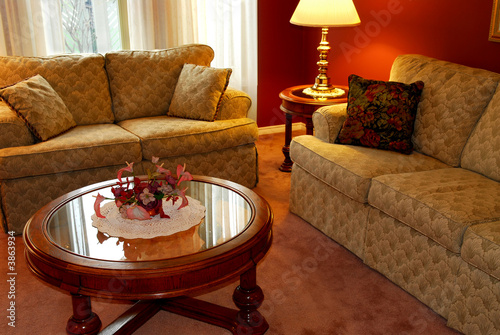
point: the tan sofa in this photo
(119, 102)
(428, 221)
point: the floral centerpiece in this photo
(144, 199)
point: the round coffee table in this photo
(65, 250)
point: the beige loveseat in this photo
(120, 104)
(428, 221)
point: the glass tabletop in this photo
(227, 215)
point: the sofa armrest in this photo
(328, 121)
(234, 105)
(13, 131)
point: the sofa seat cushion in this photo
(350, 169)
(440, 204)
(166, 136)
(481, 247)
(81, 148)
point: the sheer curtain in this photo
(160, 24)
(35, 28)
(230, 28)
(30, 27)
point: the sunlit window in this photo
(90, 25)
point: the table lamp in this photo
(324, 14)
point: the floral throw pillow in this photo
(380, 114)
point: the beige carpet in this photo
(312, 285)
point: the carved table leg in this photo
(286, 166)
(83, 321)
(248, 297)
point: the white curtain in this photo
(230, 28)
(29, 27)
(35, 28)
(160, 24)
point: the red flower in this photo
(353, 129)
(400, 146)
(370, 139)
(396, 123)
(392, 110)
(145, 198)
(368, 117)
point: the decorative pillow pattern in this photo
(380, 114)
(199, 92)
(79, 79)
(41, 108)
(142, 82)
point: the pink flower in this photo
(129, 168)
(146, 197)
(182, 195)
(97, 206)
(182, 174)
(137, 213)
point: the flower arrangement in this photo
(144, 199)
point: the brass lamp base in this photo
(322, 88)
(319, 94)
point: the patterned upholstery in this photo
(165, 136)
(83, 147)
(430, 226)
(328, 121)
(234, 105)
(350, 169)
(238, 164)
(336, 215)
(482, 151)
(481, 247)
(14, 132)
(142, 83)
(412, 261)
(453, 99)
(476, 305)
(80, 81)
(18, 207)
(199, 92)
(441, 204)
(41, 108)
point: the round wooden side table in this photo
(296, 103)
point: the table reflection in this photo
(227, 214)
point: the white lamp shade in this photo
(325, 13)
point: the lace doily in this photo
(180, 219)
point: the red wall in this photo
(451, 30)
(281, 53)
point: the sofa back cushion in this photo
(453, 99)
(80, 81)
(142, 83)
(482, 151)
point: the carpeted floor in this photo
(312, 285)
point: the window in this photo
(90, 25)
(47, 27)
